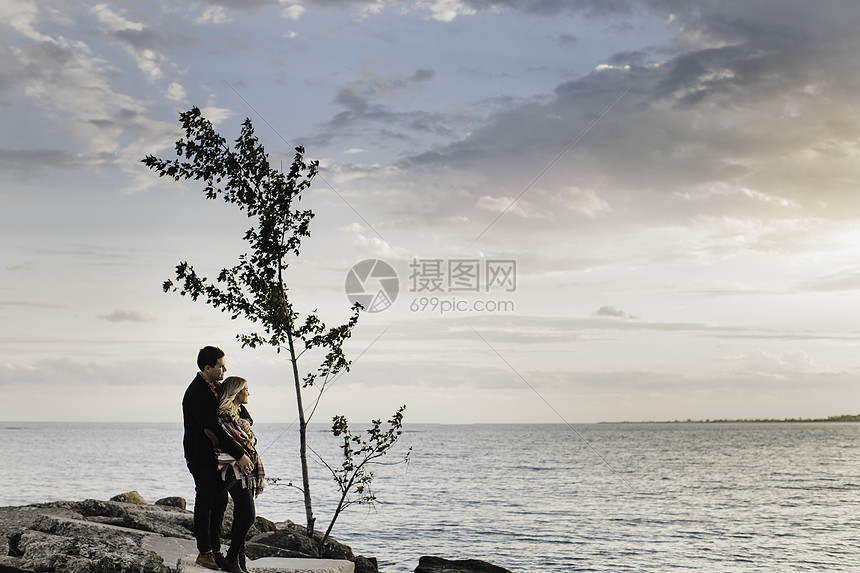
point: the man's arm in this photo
(200, 407)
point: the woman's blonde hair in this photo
(231, 386)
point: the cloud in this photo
(567, 40)
(120, 315)
(448, 10)
(665, 396)
(87, 103)
(765, 363)
(372, 86)
(445, 10)
(27, 163)
(511, 205)
(848, 280)
(554, 7)
(244, 5)
(293, 12)
(532, 329)
(213, 15)
(175, 92)
(744, 117)
(368, 244)
(113, 21)
(613, 312)
(20, 267)
(138, 40)
(215, 114)
(98, 124)
(368, 111)
(584, 201)
(79, 374)
(529, 330)
(22, 16)
(30, 304)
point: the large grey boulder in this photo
(94, 536)
(73, 546)
(173, 501)
(294, 537)
(129, 497)
(429, 564)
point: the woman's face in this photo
(242, 396)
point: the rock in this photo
(126, 535)
(163, 520)
(8, 569)
(96, 508)
(95, 536)
(264, 524)
(333, 549)
(44, 552)
(259, 551)
(77, 546)
(129, 497)
(289, 540)
(15, 521)
(273, 565)
(365, 564)
(440, 565)
(91, 536)
(172, 502)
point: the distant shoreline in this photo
(841, 418)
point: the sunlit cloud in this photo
(213, 15)
(293, 12)
(120, 315)
(175, 92)
(612, 312)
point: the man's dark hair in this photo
(208, 356)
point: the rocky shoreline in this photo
(127, 535)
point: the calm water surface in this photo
(531, 498)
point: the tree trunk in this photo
(303, 439)
(340, 506)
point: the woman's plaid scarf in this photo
(241, 431)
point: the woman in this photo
(243, 487)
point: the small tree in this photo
(358, 454)
(255, 287)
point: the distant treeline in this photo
(842, 418)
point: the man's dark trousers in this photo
(210, 503)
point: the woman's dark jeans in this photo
(244, 513)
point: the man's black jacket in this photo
(199, 413)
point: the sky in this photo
(595, 210)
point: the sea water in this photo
(530, 498)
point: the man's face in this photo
(215, 373)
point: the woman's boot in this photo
(233, 562)
(243, 562)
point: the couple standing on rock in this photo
(220, 450)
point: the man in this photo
(202, 432)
